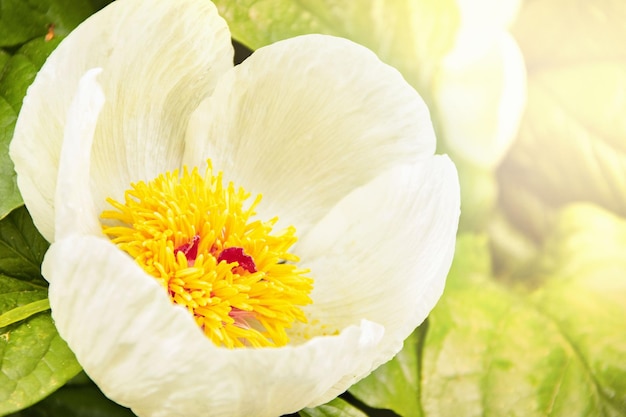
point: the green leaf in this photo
(396, 385)
(21, 21)
(23, 312)
(584, 295)
(17, 74)
(22, 248)
(557, 350)
(335, 408)
(571, 143)
(409, 35)
(16, 296)
(76, 401)
(4, 57)
(99, 4)
(34, 360)
(11, 197)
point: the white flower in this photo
(480, 89)
(336, 141)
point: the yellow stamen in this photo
(196, 237)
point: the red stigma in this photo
(190, 250)
(236, 254)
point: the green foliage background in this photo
(533, 319)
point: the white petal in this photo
(159, 60)
(75, 211)
(481, 95)
(306, 120)
(147, 354)
(383, 253)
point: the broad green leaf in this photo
(571, 145)
(21, 21)
(4, 57)
(16, 296)
(22, 248)
(396, 385)
(34, 360)
(23, 312)
(410, 35)
(553, 350)
(585, 294)
(335, 408)
(76, 401)
(490, 353)
(11, 197)
(17, 74)
(99, 4)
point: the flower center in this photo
(196, 237)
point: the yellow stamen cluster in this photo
(198, 240)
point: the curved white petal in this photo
(159, 60)
(305, 120)
(75, 211)
(383, 254)
(481, 96)
(148, 354)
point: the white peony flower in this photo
(125, 147)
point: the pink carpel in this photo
(236, 254)
(190, 250)
(241, 317)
